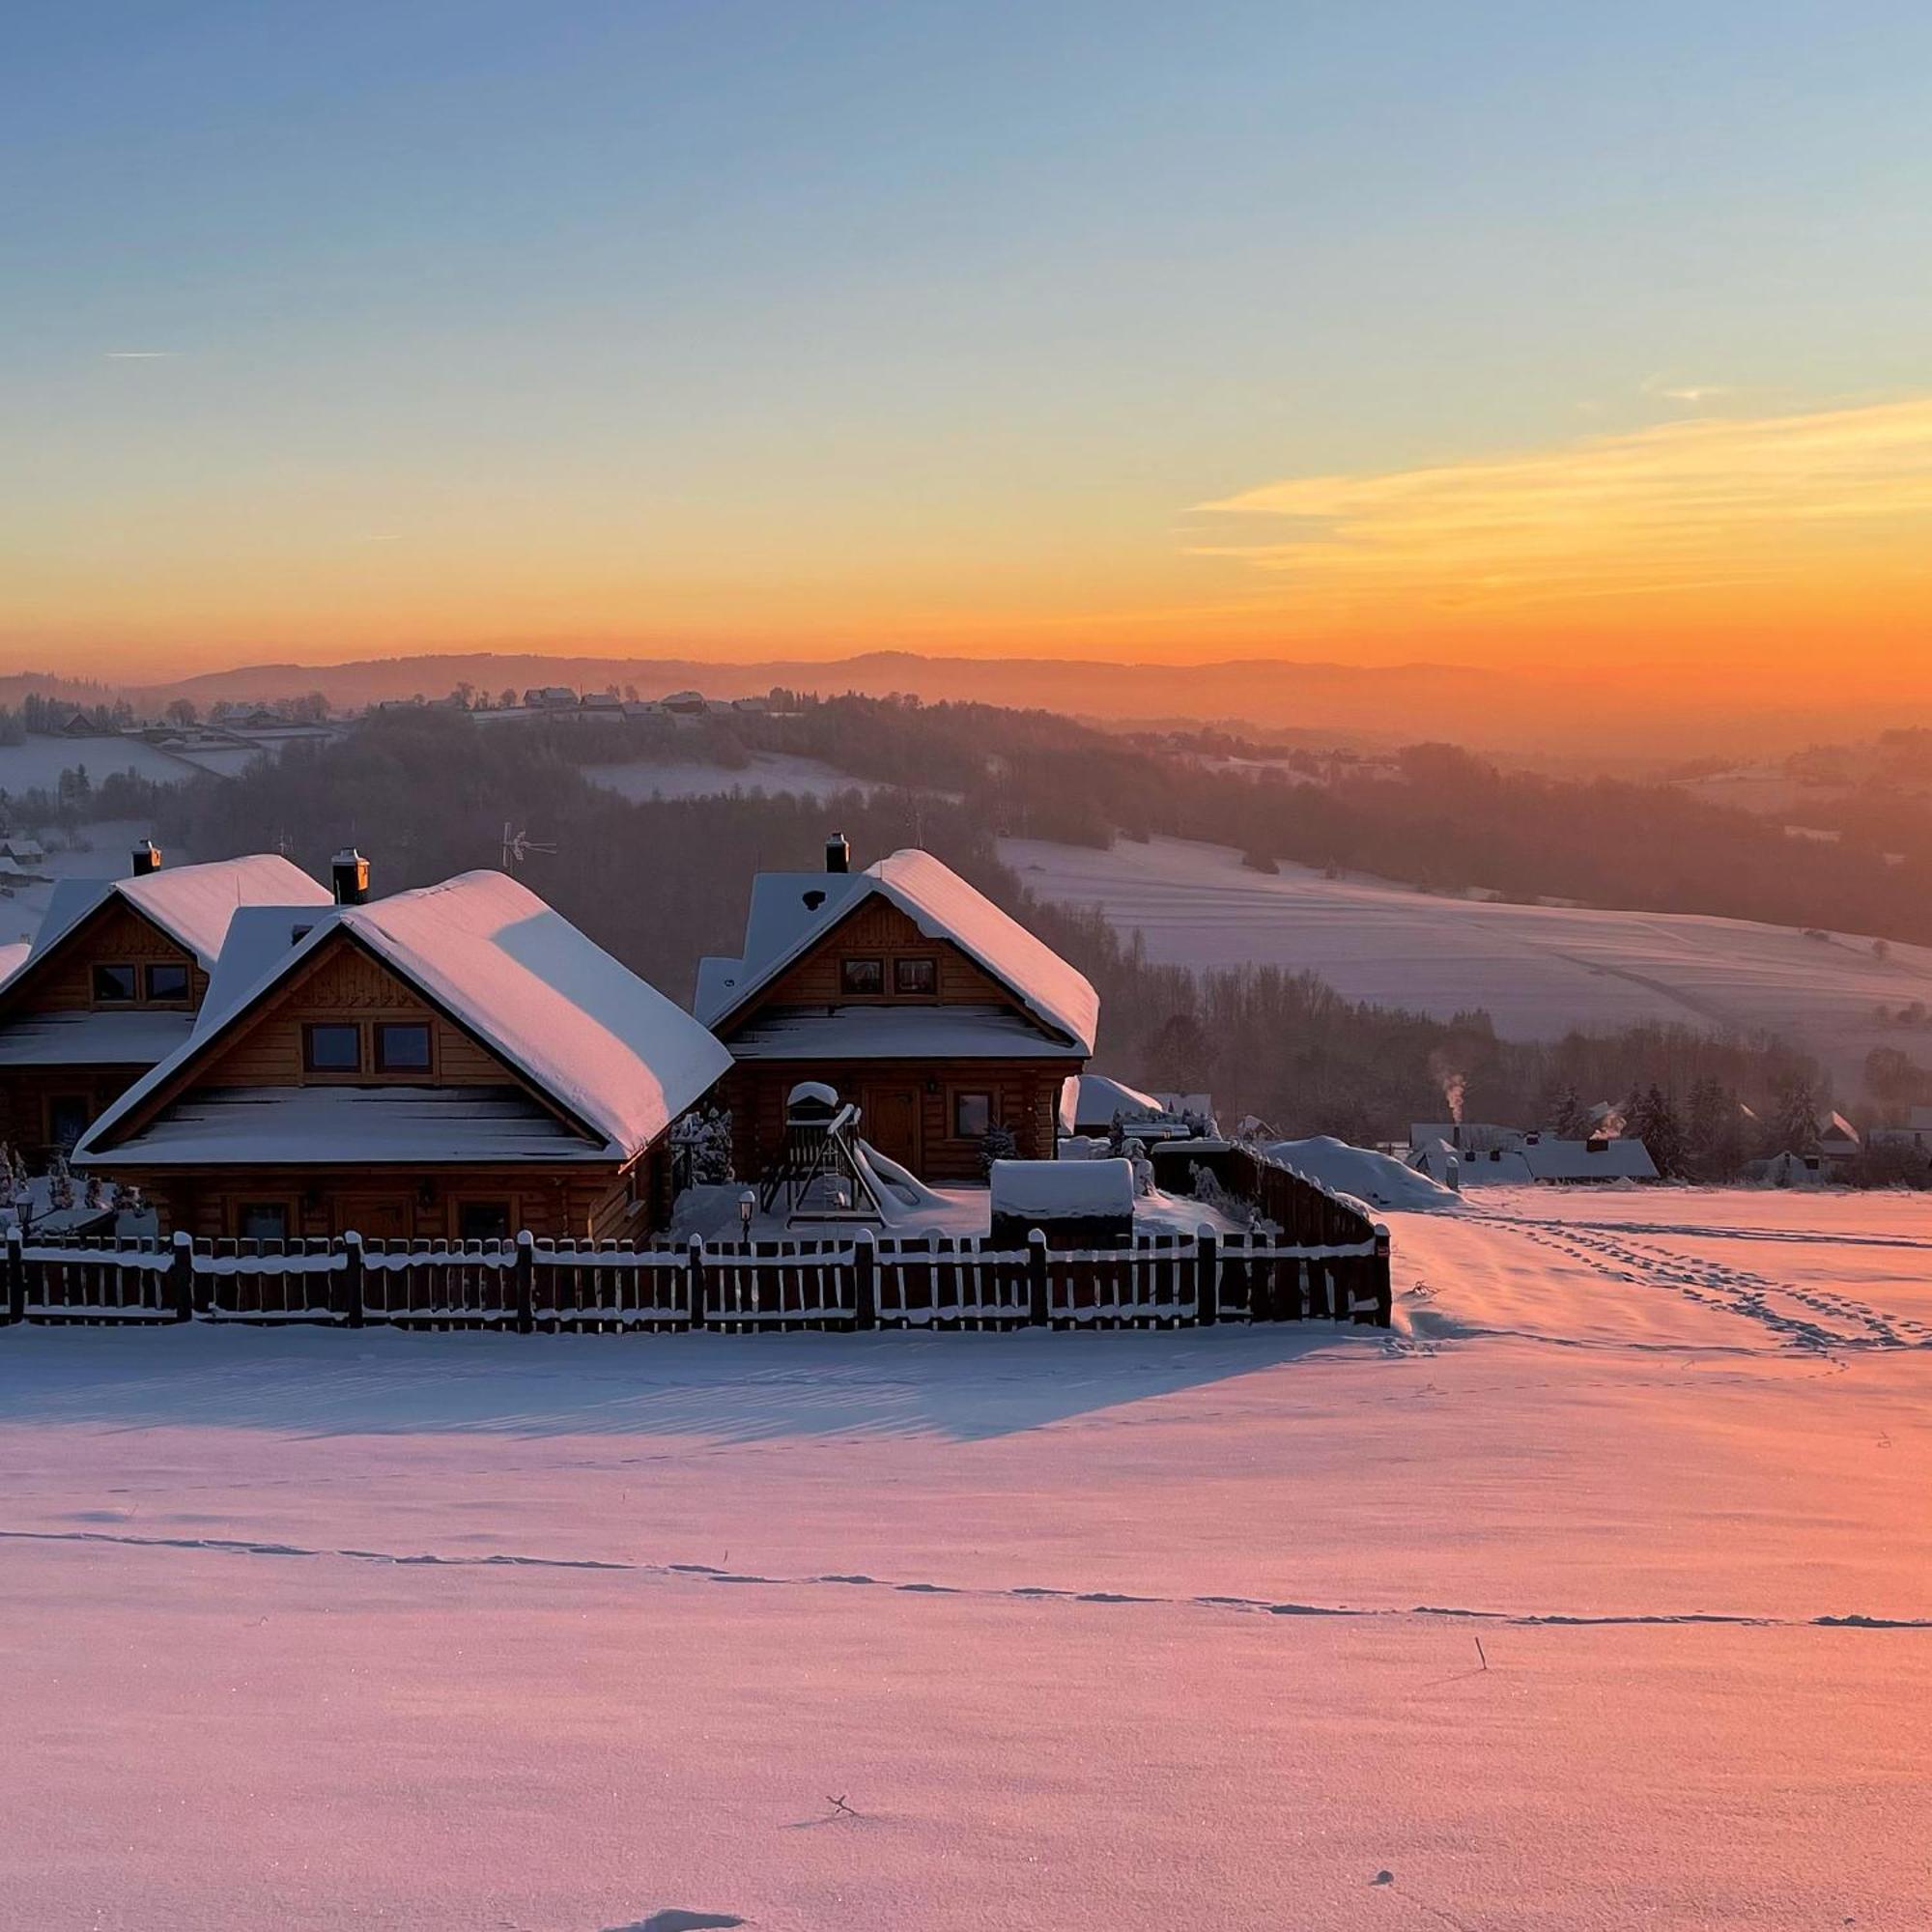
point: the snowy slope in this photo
(1146, 1632)
(1538, 970)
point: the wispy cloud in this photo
(142, 354)
(1675, 391)
(1682, 505)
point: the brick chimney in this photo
(837, 853)
(147, 858)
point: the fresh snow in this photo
(193, 905)
(1379, 1179)
(1063, 1187)
(1593, 1596)
(789, 910)
(603, 1043)
(1536, 970)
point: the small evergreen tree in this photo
(1793, 1115)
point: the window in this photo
(68, 1115)
(972, 1115)
(401, 1046)
(914, 975)
(483, 1221)
(113, 984)
(262, 1221)
(862, 975)
(167, 983)
(331, 1049)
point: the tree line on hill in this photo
(662, 882)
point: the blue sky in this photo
(744, 322)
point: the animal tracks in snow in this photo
(1805, 1316)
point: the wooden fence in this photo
(854, 1282)
(1313, 1255)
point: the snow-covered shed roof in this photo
(585, 1030)
(1093, 1099)
(193, 905)
(789, 910)
(1063, 1187)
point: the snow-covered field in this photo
(36, 762)
(768, 772)
(1538, 970)
(99, 851)
(1139, 1631)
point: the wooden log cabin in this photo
(456, 1063)
(913, 995)
(113, 981)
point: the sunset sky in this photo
(1370, 331)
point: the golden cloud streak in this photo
(1684, 505)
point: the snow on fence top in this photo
(603, 1043)
(1063, 1188)
(193, 905)
(791, 909)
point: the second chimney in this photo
(349, 875)
(147, 858)
(837, 853)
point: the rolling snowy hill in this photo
(1538, 970)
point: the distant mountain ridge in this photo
(1574, 714)
(1572, 711)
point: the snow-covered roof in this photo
(894, 1033)
(87, 1038)
(269, 1126)
(584, 1029)
(789, 910)
(1063, 1187)
(193, 905)
(12, 957)
(1093, 1099)
(1548, 1158)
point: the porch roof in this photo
(85, 1038)
(897, 1032)
(351, 1127)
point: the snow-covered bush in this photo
(997, 1144)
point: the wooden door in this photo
(376, 1217)
(889, 1121)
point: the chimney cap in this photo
(348, 876)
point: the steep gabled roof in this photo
(791, 910)
(193, 905)
(605, 1047)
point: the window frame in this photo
(154, 966)
(84, 1104)
(273, 1204)
(101, 970)
(876, 961)
(927, 966)
(378, 1058)
(311, 1065)
(956, 1100)
(485, 1204)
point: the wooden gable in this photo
(877, 930)
(113, 934)
(343, 982)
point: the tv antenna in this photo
(518, 846)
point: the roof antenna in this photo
(518, 845)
